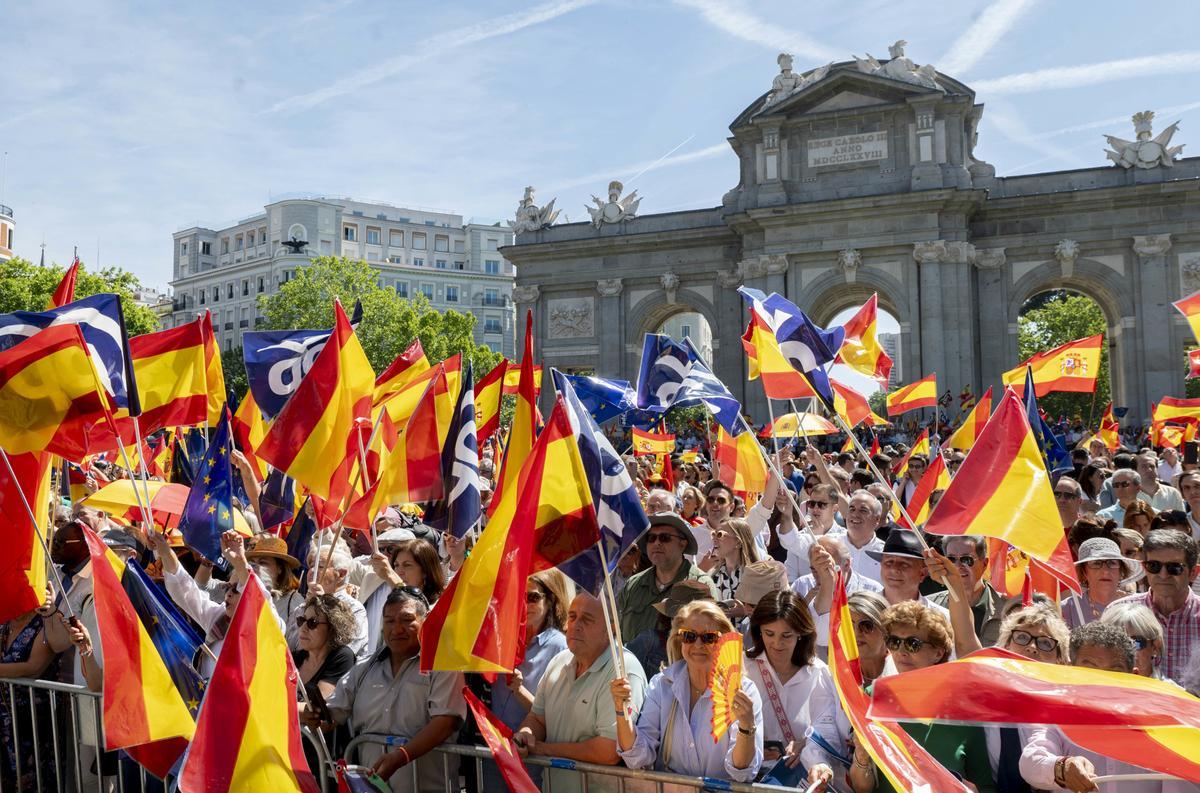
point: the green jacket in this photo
(986, 612)
(635, 602)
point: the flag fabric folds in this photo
(499, 741)
(50, 397)
(920, 446)
(522, 432)
(214, 373)
(143, 711)
(23, 563)
(249, 429)
(850, 405)
(543, 519)
(488, 393)
(406, 367)
(65, 291)
(1003, 489)
(1182, 411)
(966, 435)
(460, 509)
(1193, 364)
(936, 477)
(806, 347)
(313, 439)
(208, 512)
(1190, 308)
(512, 379)
(1073, 366)
(645, 442)
(248, 735)
(1110, 429)
(921, 394)
(741, 462)
(1137, 720)
(861, 350)
(766, 362)
(171, 372)
(605, 399)
(673, 373)
(1054, 451)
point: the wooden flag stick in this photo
(614, 622)
(800, 516)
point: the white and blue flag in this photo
(675, 374)
(806, 347)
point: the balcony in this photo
(495, 302)
(245, 323)
(6, 211)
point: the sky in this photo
(124, 122)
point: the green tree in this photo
(25, 286)
(1064, 317)
(237, 381)
(878, 402)
(390, 322)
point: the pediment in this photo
(847, 100)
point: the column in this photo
(1161, 350)
(610, 328)
(932, 358)
(991, 318)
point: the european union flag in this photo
(1054, 452)
(208, 512)
(604, 399)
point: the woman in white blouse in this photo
(802, 719)
(674, 729)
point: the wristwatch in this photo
(750, 731)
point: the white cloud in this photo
(1090, 74)
(996, 20)
(601, 178)
(1163, 115)
(432, 47)
(740, 23)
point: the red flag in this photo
(499, 740)
(1193, 364)
(487, 402)
(523, 430)
(65, 293)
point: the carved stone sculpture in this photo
(933, 251)
(609, 287)
(531, 217)
(1189, 274)
(788, 82)
(990, 258)
(1144, 152)
(729, 279)
(670, 285)
(1152, 244)
(849, 261)
(1066, 252)
(899, 67)
(571, 318)
(526, 294)
(616, 209)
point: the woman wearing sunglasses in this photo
(866, 610)
(733, 549)
(326, 627)
(918, 637)
(674, 730)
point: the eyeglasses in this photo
(718, 500)
(311, 622)
(1173, 568)
(413, 592)
(534, 597)
(1065, 495)
(1103, 564)
(1140, 642)
(963, 561)
(865, 626)
(664, 537)
(1043, 643)
(691, 637)
(911, 644)
(1123, 484)
(814, 504)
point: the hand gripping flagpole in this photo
(12, 475)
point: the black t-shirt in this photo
(337, 664)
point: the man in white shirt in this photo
(1169, 466)
(862, 519)
(1159, 496)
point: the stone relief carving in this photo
(670, 285)
(788, 82)
(609, 287)
(730, 279)
(990, 258)
(571, 318)
(943, 251)
(531, 217)
(849, 261)
(1189, 274)
(1152, 244)
(752, 267)
(1066, 252)
(615, 209)
(526, 294)
(1144, 152)
(899, 67)
(774, 263)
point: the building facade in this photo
(457, 265)
(8, 228)
(862, 177)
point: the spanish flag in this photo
(849, 404)
(523, 430)
(741, 462)
(1190, 308)
(1175, 409)
(936, 477)
(408, 366)
(214, 375)
(921, 394)
(1003, 489)
(448, 376)
(544, 518)
(1069, 367)
(488, 393)
(512, 379)
(1011, 569)
(249, 430)
(313, 438)
(860, 349)
(65, 292)
(1193, 364)
(23, 563)
(143, 711)
(920, 446)
(765, 361)
(1110, 429)
(906, 764)
(1138, 720)
(50, 395)
(171, 371)
(652, 442)
(966, 435)
(499, 741)
(248, 733)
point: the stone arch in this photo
(830, 293)
(651, 311)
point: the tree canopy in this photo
(1057, 319)
(25, 286)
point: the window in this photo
(493, 244)
(216, 294)
(202, 294)
(440, 264)
(491, 266)
(206, 249)
(460, 246)
(460, 265)
(373, 235)
(492, 325)
(396, 238)
(349, 232)
(685, 331)
(427, 290)
(224, 245)
(237, 242)
(441, 243)
(402, 288)
(418, 240)
(262, 236)
(245, 287)
(451, 294)
(183, 249)
(229, 291)
(260, 284)
(418, 261)
(491, 297)
(250, 239)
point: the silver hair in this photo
(1135, 619)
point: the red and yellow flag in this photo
(1011, 569)
(1110, 429)
(143, 711)
(248, 734)
(544, 518)
(65, 291)
(499, 741)
(214, 374)
(849, 404)
(1002, 489)
(50, 396)
(488, 393)
(741, 462)
(408, 366)
(765, 361)
(1178, 410)
(936, 477)
(1193, 364)
(1138, 720)
(523, 430)
(965, 436)
(906, 764)
(921, 394)
(861, 350)
(1069, 367)
(1190, 308)
(23, 563)
(171, 371)
(645, 442)
(249, 429)
(920, 446)
(313, 438)
(512, 379)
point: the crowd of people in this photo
(712, 562)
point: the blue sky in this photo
(126, 121)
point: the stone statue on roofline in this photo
(1145, 152)
(615, 209)
(531, 217)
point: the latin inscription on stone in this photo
(847, 150)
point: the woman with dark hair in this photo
(1091, 479)
(415, 563)
(326, 627)
(795, 686)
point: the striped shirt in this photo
(1181, 633)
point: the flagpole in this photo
(615, 625)
(800, 516)
(366, 480)
(147, 516)
(799, 425)
(137, 434)
(774, 437)
(12, 475)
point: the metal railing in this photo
(7, 211)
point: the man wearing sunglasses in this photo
(665, 544)
(1126, 485)
(968, 554)
(1170, 563)
(1068, 497)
